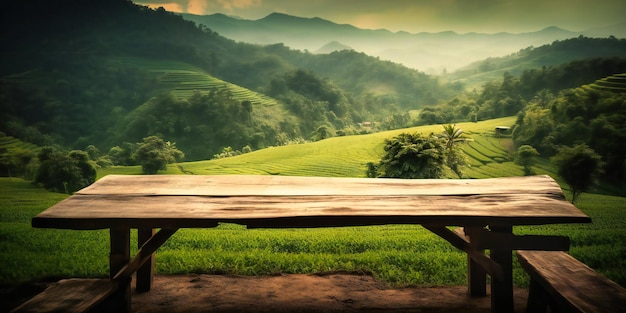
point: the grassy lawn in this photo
(398, 254)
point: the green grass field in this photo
(344, 156)
(398, 254)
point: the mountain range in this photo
(114, 72)
(428, 52)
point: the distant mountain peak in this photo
(332, 47)
(282, 17)
(278, 15)
(277, 18)
(222, 16)
(554, 29)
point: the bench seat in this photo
(565, 284)
(70, 295)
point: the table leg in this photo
(502, 289)
(476, 275)
(119, 257)
(145, 273)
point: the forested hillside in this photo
(108, 74)
(67, 79)
(555, 54)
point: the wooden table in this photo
(485, 209)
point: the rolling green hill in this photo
(116, 72)
(347, 156)
(91, 66)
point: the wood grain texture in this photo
(577, 287)
(70, 295)
(177, 201)
(263, 185)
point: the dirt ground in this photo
(303, 293)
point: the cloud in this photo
(366, 21)
(197, 7)
(229, 5)
(169, 6)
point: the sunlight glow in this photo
(172, 7)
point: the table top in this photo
(180, 201)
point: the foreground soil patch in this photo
(304, 293)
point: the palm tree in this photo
(455, 159)
(453, 136)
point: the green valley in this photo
(83, 88)
(399, 255)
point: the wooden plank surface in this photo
(176, 201)
(70, 295)
(561, 274)
(265, 185)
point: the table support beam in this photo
(460, 242)
(486, 239)
(119, 257)
(145, 273)
(144, 253)
(502, 287)
(476, 274)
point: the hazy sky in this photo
(462, 16)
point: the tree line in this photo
(59, 170)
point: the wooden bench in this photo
(82, 295)
(70, 295)
(565, 284)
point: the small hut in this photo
(502, 130)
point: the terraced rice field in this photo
(184, 80)
(10, 143)
(348, 156)
(613, 83)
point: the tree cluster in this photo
(415, 156)
(204, 123)
(61, 171)
(64, 172)
(154, 154)
(525, 157)
(579, 166)
(576, 116)
(316, 102)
